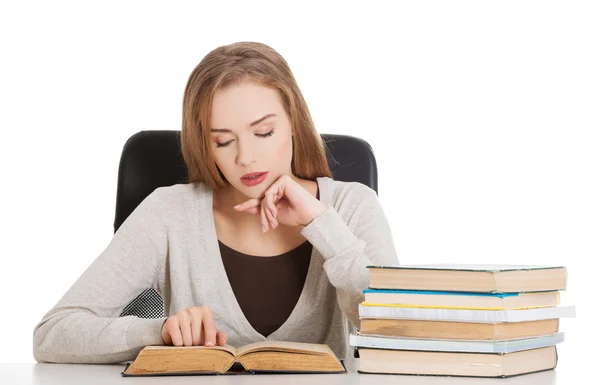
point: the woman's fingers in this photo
(210, 330)
(165, 333)
(197, 333)
(173, 331)
(264, 221)
(193, 326)
(269, 214)
(272, 204)
(276, 199)
(267, 207)
(221, 338)
(247, 205)
(269, 202)
(185, 326)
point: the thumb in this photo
(164, 334)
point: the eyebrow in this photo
(267, 116)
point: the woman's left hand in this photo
(285, 202)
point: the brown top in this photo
(267, 288)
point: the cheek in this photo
(283, 152)
(222, 161)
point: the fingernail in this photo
(236, 206)
(264, 231)
(209, 343)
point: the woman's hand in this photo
(192, 327)
(285, 202)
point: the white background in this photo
(484, 118)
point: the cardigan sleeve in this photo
(350, 243)
(84, 326)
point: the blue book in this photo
(460, 300)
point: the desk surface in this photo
(59, 374)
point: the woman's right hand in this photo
(193, 326)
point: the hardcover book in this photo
(260, 357)
(473, 278)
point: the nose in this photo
(245, 155)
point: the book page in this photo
(285, 346)
(227, 348)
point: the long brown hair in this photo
(231, 64)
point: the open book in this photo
(267, 356)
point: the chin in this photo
(251, 192)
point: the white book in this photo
(463, 315)
(463, 346)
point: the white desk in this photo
(58, 374)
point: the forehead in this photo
(238, 105)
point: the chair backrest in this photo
(152, 159)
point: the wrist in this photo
(317, 210)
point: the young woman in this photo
(261, 244)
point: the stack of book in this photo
(461, 320)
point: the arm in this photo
(84, 326)
(349, 246)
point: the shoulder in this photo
(179, 195)
(348, 198)
(357, 204)
(180, 190)
(343, 193)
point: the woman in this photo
(261, 244)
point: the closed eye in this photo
(270, 133)
(266, 135)
(224, 144)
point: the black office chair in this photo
(152, 159)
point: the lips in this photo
(253, 178)
(252, 175)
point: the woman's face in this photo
(251, 133)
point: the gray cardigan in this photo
(169, 243)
